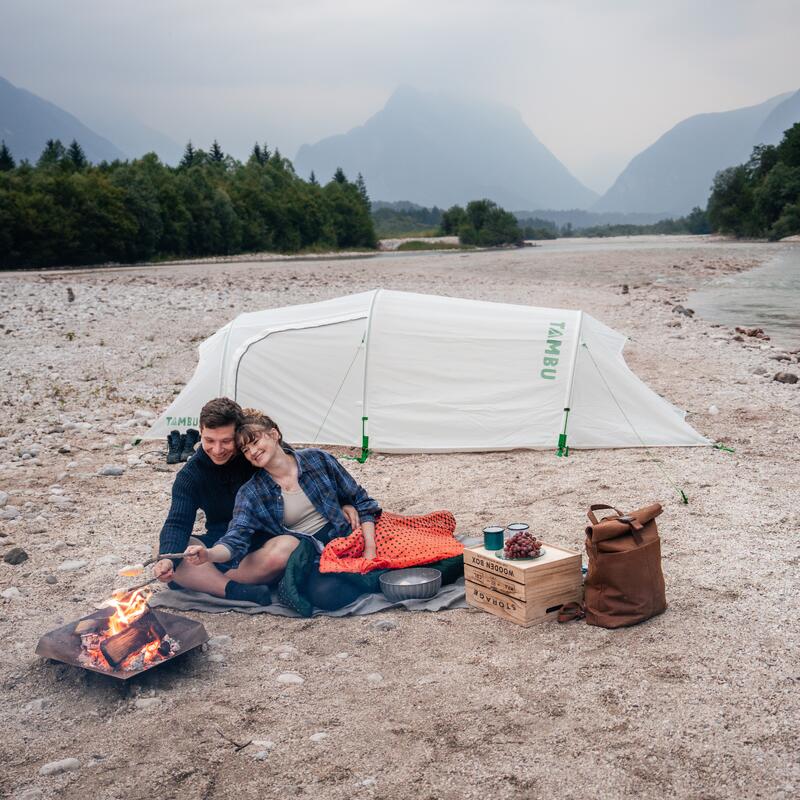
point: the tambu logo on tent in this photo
(555, 338)
(179, 422)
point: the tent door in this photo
(310, 379)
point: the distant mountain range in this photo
(675, 174)
(438, 149)
(28, 121)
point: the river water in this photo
(767, 297)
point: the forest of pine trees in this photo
(65, 211)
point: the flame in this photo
(127, 609)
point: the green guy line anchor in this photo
(563, 449)
(364, 442)
(720, 446)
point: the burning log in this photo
(141, 632)
(88, 625)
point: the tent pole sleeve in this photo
(563, 449)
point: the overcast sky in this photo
(596, 80)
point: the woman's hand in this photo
(164, 570)
(351, 515)
(196, 554)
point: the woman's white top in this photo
(299, 514)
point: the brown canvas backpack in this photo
(624, 584)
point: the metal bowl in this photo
(417, 583)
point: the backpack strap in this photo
(571, 611)
(600, 507)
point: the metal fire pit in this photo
(64, 645)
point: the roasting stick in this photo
(117, 593)
(134, 570)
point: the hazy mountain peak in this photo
(675, 173)
(437, 148)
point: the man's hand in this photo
(351, 515)
(163, 570)
(196, 554)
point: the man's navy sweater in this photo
(203, 484)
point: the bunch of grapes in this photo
(523, 545)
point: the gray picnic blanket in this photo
(449, 596)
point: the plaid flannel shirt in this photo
(327, 484)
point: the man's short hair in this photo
(220, 412)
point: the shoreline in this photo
(661, 709)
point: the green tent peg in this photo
(720, 446)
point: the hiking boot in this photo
(190, 439)
(174, 447)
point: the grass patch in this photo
(390, 232)
(417, 244)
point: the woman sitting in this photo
(296, 494)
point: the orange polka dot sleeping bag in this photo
(399, 542)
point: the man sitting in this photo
(210, 481)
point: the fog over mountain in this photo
(675, 174)
(438, 149)
(28, 121)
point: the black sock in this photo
(252, 592)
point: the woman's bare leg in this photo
(204, 578)
(267, 563)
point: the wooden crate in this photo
(523, 592)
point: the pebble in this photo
(261, 755)
(72, 565)
(57, 767)
(370, 781)
(143, 413)
(286, 655)
(65, 448)
(760, 371)
(12, 593)
(144, 703)
(384, 625)
(29, 793)
(51, 579)
(375, 677)
(318, 737)
(713, 410)
(36, 706)
(112, 470)
(266, 744)
(290, 679)
(16, 555)
(785, 377)
(109, 558)
(343, 655)
(3, 499)
(9, 513)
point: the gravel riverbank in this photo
(700, 702)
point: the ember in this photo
(131, 638)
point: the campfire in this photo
(130, 639)
(123, 639)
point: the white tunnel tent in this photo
(423, 373)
